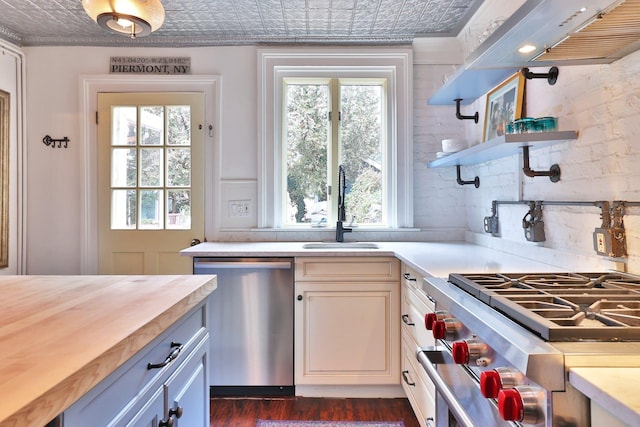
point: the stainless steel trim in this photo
(535, 358)
(424, 357)
(278, 265)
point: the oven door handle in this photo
(428, 358)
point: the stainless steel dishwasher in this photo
(251, 325)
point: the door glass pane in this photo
(124, 125)
(178, 167)
(151, 209)
(158, 175)
(123, 209)
(362, 141)
(307, 136)
(178, 209)
(151, 170)
(151, 125)
(179, 125)
(123, 167)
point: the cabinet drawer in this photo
(419, 389)
(347, 269)
(132, 382)
(410, 277)
(414, 307)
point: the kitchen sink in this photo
(336, 245)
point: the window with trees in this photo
(332, 122)
(322, 108)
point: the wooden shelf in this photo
(469, 84)
(502, 146)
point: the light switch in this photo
(239, 208)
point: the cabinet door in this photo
(347, 333)
(151, 413)
(187, 390)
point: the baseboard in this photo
(354, 391)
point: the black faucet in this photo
(342, 210)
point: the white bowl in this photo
(453, 145)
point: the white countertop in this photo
(617, 390)
(436, 259)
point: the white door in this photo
(150, 181)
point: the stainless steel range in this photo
(508, 341)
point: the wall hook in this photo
(475, 181)
(553, 173)
(551, 76)
(48, 141)
(460, 116)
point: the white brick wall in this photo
(601, 102)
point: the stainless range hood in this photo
(564, 32)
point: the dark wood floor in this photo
(245, 412)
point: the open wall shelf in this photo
(469, 84)
(502, 146)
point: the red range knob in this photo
(468, 351)
(494, 380)
(490, 384)
(445, 328)
(439, 330)
(429, 320)
(460, 352)
(510, 405)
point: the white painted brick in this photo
(601, 102)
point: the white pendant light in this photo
(134, 18)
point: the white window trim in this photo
(394, 64)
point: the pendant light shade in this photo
(134, 18)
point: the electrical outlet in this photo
(239, 208)
(610, 242)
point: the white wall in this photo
(53, 108)
(55, 175)
(602, 103)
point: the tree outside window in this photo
(331, 122)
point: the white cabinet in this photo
(347, 329)
(417, 385)
(173, 394)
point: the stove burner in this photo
(563, 306)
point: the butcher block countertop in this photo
(62, 335)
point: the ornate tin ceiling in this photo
(243, 22)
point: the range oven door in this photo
(459, 402)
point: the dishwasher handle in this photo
(202, 266)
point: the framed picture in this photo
(4, 179)
(504, 104)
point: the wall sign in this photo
(149, 65)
